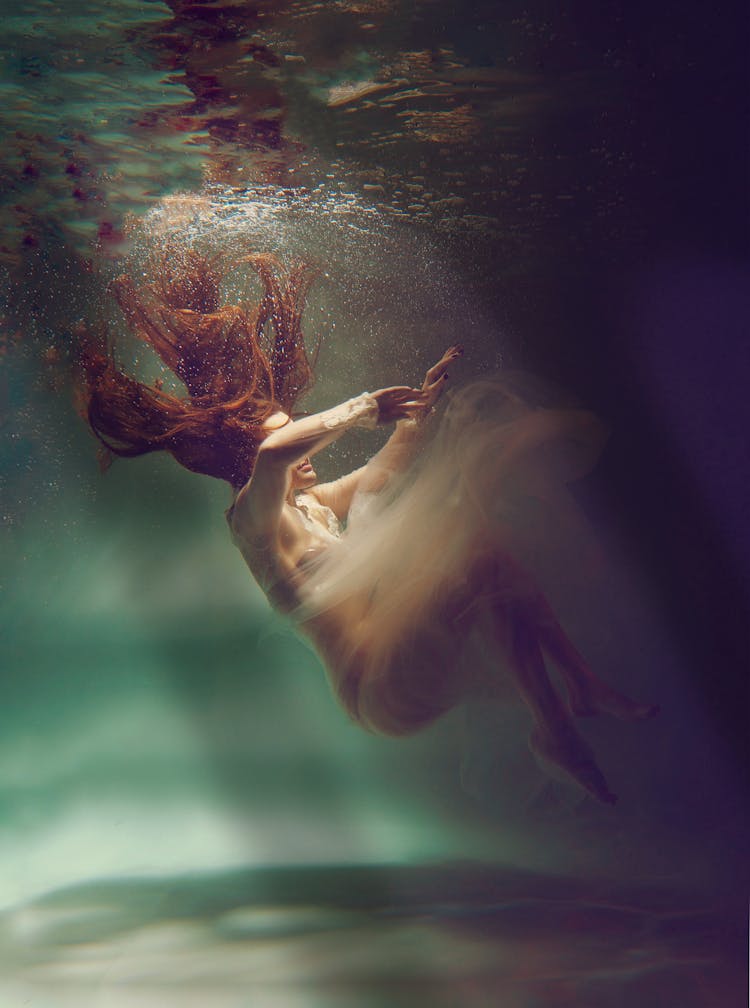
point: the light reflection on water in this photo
(350, 937)
(432, 116)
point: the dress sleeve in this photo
(362, 411)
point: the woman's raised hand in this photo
(436, 378)
(399, 402)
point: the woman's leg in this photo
(553, 738)
(587, 694)
(496, 590)
(423, 676)
(396, 690)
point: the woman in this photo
(429, 560)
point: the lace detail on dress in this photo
(317, 517)
(362, 411)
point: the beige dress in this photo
(376, 598)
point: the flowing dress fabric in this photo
(492, 481)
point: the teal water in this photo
(187, 818)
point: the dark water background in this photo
(186, 817)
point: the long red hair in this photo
(234, 379)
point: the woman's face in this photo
(303, 475)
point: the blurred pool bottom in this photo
(438, 936)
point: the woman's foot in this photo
(563, 747)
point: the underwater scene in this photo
(466, 728)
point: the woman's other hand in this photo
(436, 379)
(400, 402)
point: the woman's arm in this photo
(258, 506)
(396, 455)
(288, 445)
(399, 451)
